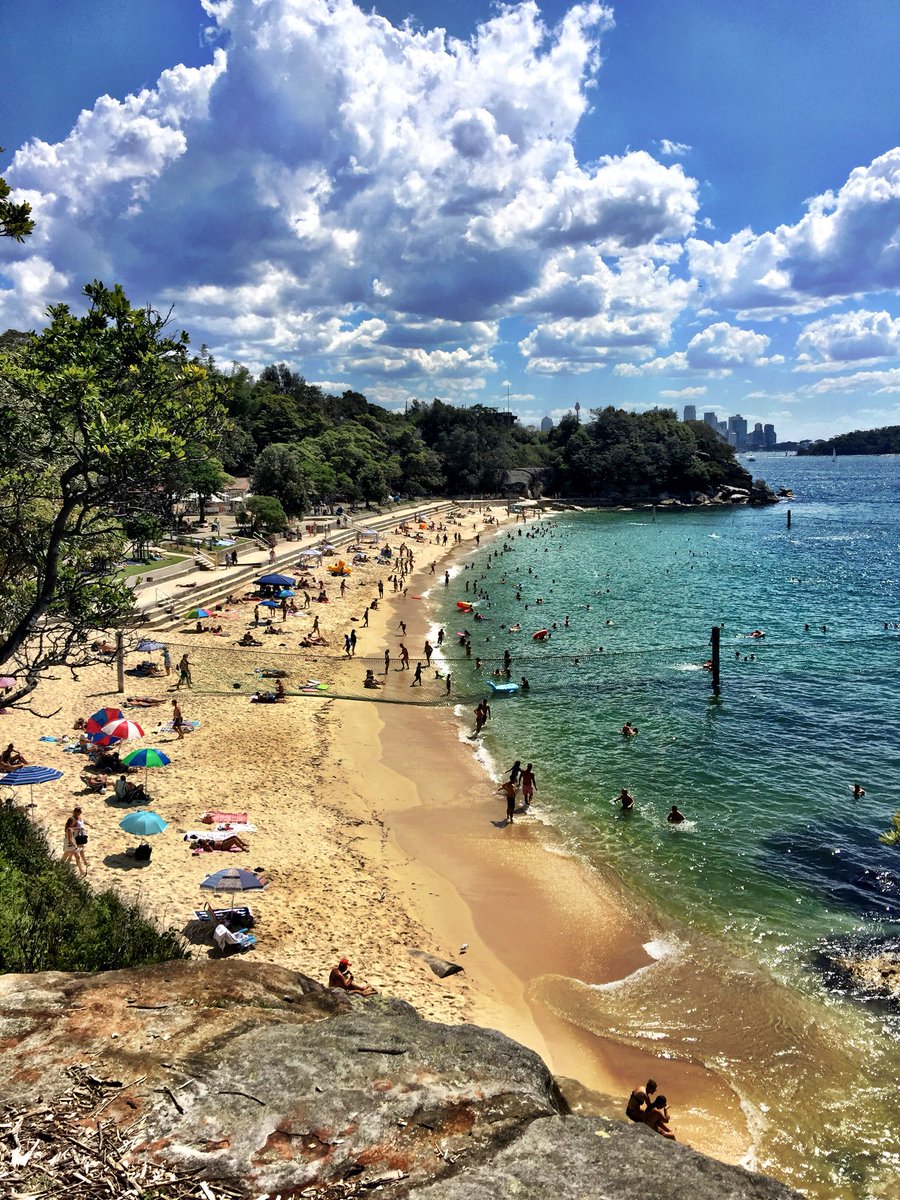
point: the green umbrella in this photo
(146, 757)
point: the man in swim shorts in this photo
(639, 1101)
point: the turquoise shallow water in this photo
(776, 855)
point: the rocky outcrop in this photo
(868, 967)
(258, 1080)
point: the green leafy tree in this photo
(279, 472)
(263, 513)
(95, 409)
(15, 219)
(142, 529)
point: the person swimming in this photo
(675, 817)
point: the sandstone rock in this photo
(265, 1081)
(573, 1158)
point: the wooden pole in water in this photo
(789, 518)
(714, 639)
(120, 661)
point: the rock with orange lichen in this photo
(258, 1080)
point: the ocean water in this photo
(776, 856)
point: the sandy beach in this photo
(378, 833)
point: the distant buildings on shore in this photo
(735, 432)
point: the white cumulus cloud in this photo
(330, 178)
(846, 243)
(853, 338)
(716, 351)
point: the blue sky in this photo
(657, 202)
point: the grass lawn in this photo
(148, 568)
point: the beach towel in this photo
(219, 835)
(187, 726)
(214, 817)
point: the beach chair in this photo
(243, 914)
(227, 939)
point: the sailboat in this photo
(833, 454)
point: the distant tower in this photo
(546, 424)
(577, 413)
(710, 418)
(769, 438)
(690, 412)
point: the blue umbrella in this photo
(285, 593)
(29, 776)
(147, 646)
(143, 823)
(276, 580)
(233, 879)
(270, 604)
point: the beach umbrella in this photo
(233, 879)
(29, 776)
(197, 614)
(276, 580)
(148, 646)
(94, 725)
(143, 823)
(123, 730)
(146, 757)
(270, 604)
(285, 593)
(311, 554)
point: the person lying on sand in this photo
(342, 977)
(228, 843)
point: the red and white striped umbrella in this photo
(123, 730)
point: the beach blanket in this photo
(187, 726)
(214, 817)
(219, 835)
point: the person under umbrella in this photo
(143, 824)
(146, 757)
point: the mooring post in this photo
(120, 661)
(714, 640)
(789, 518)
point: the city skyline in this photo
(478, 201)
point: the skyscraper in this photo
(710, 419)
(546, 424)
(737, 431)
(690, 412)
(769, 437)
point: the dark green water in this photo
(776, 855)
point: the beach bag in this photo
(81, 839)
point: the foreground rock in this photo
(868, 967)
(248, 1076)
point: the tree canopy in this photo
(861, 441)
(98, 408)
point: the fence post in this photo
(715, 658)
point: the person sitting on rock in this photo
(342, 977)
(657, 1117)
(639, 1101)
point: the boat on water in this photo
(750, 458)
(833, 454)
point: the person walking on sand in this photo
(404, 658)
(71, 851)
(440, 638)
(177, 720)
(429, 650)
(184, 673)
(417, 676)
(353, 640)
(447, 690)
(402, 628)
(365, 617)
(529, 785)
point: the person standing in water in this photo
(675, 817)
(529, 785)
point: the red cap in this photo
(345, 962)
